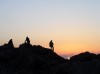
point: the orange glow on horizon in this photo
(65, 49)
(71, 50)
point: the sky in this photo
(73, 25)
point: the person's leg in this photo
(53, 48)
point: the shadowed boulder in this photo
(28, 59)
(86, 56)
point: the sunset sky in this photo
(73, 25)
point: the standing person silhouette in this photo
(27, 40)
(51, 45)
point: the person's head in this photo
(27, 37)
(10, 39)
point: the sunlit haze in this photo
(73, 25)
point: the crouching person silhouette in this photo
(10, 43)
(27, 40)
(51, 45)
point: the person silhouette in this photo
(51, 45)
(27, 40)
(10, 43)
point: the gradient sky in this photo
(73, 25)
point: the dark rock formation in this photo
(87, 56)
(28, 59)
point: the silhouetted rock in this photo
(87, 56)
(28, 59)
(25, 45)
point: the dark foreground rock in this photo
(28, 59)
